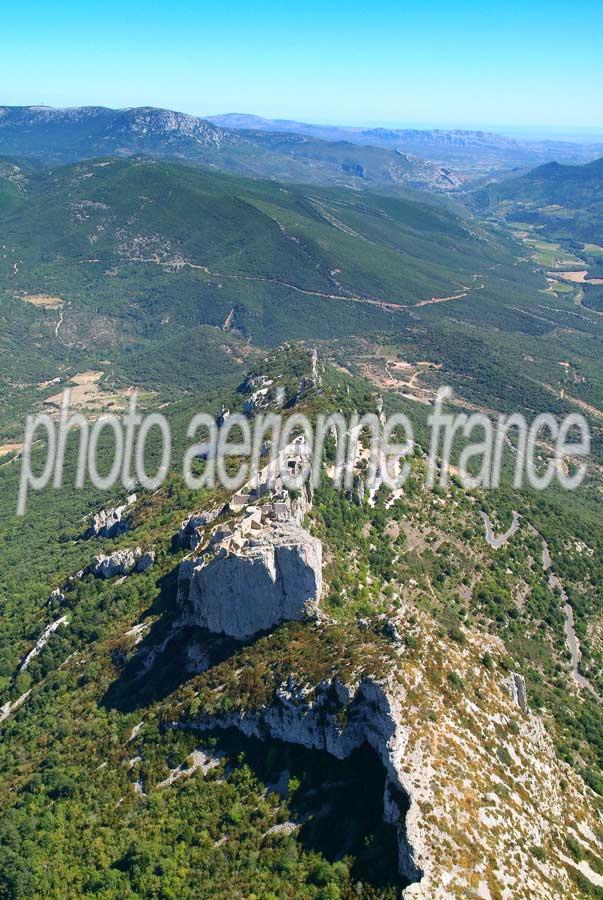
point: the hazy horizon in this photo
(544, 131)
(582, 133)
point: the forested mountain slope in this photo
(124, 274)
(567, 201)
(137, 256)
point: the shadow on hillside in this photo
(335, 806)
(168, 655)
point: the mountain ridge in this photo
(565, 202)
(455, 146)
(60, 136)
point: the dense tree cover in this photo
(79, 828)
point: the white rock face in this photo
(517, 691)
(255, 582)
(42, 641)
(110, 523)
(57, 595)
(444, 790)
(122, 562)
(8, 708)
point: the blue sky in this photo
(525, 65)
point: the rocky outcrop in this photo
(42, 641)
(110, 523)
(338, 718)
(56, 596)
(261, 394)
(518, 691)
(146, 561)
(313, 381)
(473, 786)
(9, 707)
(122, 562)
(255, 578)
(191, 528)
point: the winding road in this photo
(570, 631)
(496, 542)
(58, 325)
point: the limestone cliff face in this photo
(339, 718)
(253, 583)
(482, 805)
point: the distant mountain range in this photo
(378, 159)
(467, 149)
(57, 136)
